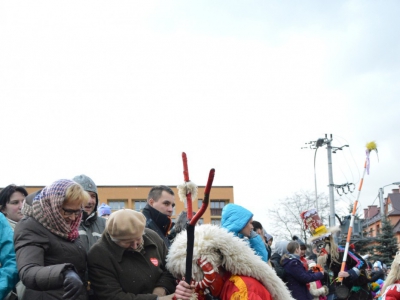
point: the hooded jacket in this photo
(91, 228)
(8, 264)
(158, 222)
(234, 219)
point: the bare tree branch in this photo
(286, 220)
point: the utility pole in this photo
(315, 145)
(331, 185)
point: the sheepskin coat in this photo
(221, 248)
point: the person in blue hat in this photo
(104, 211)
(238, 220)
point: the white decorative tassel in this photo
(185, 188)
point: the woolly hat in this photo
(300, 241)
(378, 264)
(104, 209)
(126, 224)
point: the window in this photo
(116, 204)
(199, 203)
(216, 222)
(377, 229)
(216, 207)
(390, 207)
(140, 204)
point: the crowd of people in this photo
(59, 243)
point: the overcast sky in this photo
(118, 89)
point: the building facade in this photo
(372, 217)
(135, 197)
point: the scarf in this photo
(46, 209)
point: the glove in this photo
(72, 285)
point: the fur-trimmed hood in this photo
(221, 248)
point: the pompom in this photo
(371, 146)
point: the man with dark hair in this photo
(158, 211)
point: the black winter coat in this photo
(120, 274)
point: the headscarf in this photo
(46, 209)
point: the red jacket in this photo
(392, 292)
(244, 288)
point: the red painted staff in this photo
(188, 192)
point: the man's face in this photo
(13, 207)
(270, 242)
(89, 207)
(246, 231)
(165, 203)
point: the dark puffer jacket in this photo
(42, 257)
(297, 277)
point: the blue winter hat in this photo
(378, 264)
(104, 209)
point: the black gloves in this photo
(72, 285)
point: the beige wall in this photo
(130, 194)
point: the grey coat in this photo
(91, 229)
(42, 257)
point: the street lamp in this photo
(381, 196)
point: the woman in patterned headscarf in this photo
(50, 256)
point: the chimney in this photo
(365, 213)
(395, 191)
(372, 211)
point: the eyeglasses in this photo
(69, 213)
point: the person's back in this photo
(238, 220)
(296, 275)
(279, 251)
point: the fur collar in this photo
(222, 248)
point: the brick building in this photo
(372, 216)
